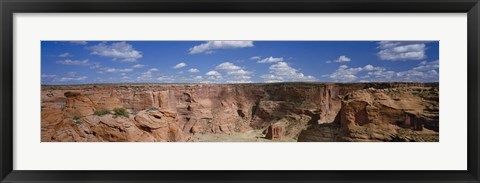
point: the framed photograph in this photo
(234, 91)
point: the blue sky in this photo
(76, 62)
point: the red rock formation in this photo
(392, 114)
(275, 132)
(174, 112)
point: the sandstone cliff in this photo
(303, 111)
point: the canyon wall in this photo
(175, 112)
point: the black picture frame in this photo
(9, 7)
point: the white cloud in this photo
(79, 42)
(401, 51)
(72, 76)
(193, 70)
(120, 50)
(125, 70)
(109, 69)
(47, 78)
(213, 73)
(69, 77)
(382, 75)
(235, 74)
(148, 75)
(63, 55)
(372, 68)
(136, 66)
(423, 72)
(166, 79)
(342, 58)
(270, 60)
(255, 58)
(153, 70)
(282, 72)
(66, 79)
(209, 46)
(227, 66)
(101, 69)
(239, 72)
(74, 62)
(346, 74)
(180, 65)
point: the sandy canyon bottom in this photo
(276, 112)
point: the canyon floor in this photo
(263, 112)
(248, 136)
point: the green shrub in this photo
(121, 112)
(76, 119)
(101, 112)
(151, 108)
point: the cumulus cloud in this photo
(74, 62)
(72, 77)
(148, 75)
(423, 72)
(180, 65)
(193, 70)
(213, 75)
(401, 50)
(282, 72)
(234, 73)
(209, 46)
(137, 66)
(101, 69)
(121, 51)
(166, 79)
(48, 78)
(342, 58)
(270, 60)
(109, 69)
(227, 66)
(346, 74)
(63, 55)
(380, 75)
(255, 58)
(80, 78)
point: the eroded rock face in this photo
(175, 112)
(392, 114)
(275, 131)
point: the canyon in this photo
(258, 112)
